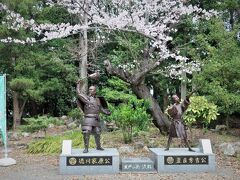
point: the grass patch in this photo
(39, 123)
(53, 144)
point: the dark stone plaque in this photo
(185, 160)
(89, 161)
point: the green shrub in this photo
(128, 112)
(76, 114)
(53, 144)
(131, 117)
(200, 111)
(41, 122)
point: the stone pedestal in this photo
(182, 160)
(7, 161)
(91, 163)
(137, 165)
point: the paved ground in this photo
(36, 167)
(42, 167)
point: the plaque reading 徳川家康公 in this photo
(89, 161)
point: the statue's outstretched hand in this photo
(79, 81)
(94, 76)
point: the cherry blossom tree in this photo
(155, 20)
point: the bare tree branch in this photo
(139, 77)
(122, 74)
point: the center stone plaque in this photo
(93, 162)
(143, 164)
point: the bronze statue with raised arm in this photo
(92, 106)
(177, 128)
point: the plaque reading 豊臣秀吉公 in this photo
(185, 160)
(89, 161)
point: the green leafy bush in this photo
(76, 114)
(53, 144)
(41, 122)
(200, 111)
(131, 117)
(128, 112)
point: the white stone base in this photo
(182, 160)
(7, 162)
(91, 163)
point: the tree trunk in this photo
(227, 123)
(83, 46)
(18, 108)
(165, 100)
(183, 85)
(16, 111)
(33, 108)
(136, 82)
(231, 21)
(159, 119)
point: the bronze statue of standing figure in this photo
(177, 128)
(92, 106)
